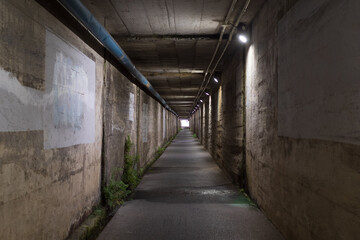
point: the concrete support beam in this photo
(156, 38)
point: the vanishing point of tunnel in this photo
(179, 119)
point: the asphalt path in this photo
(185, 195)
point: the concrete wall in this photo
(51, 126)
(131, 112)
(220, 121)
(62, 106)
(301, 131)
(307, 186)
(151, 134)
(120, 118)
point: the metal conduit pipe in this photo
(224, 26)
(83, 15)
(225, 48)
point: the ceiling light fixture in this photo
(243, 34)
(207, 94)
(201, 100)
(216, 80)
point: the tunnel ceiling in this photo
(170, 41)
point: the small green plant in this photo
(194, 135)
(93, 231)
(179, 129)
(160, 151)
(130, 175)
(116, 190)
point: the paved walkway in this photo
(186, 196)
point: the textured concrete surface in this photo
(308, 187)
(38, 182)
(313, 103)
(128, 111)
(220, 123)
(186, 196)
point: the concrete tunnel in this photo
(180, 119)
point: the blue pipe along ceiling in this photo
(83, 15)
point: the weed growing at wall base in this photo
(160, 151)
(117, 191)
(91, 232)
(130, 176)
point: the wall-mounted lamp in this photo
(243, 34)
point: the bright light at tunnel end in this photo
(184, 123)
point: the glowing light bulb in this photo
(243, 38)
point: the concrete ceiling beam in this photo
(195, 74)
(157, 38)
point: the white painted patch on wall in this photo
(69, 112)
(209, 121)
(20, 107)
(66, 110)
(164, 123)
(131, 107)
(318, 86)
(145, 122)
(219, 105)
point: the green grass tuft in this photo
(122, 183)
(116, 191)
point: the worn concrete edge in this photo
(91, 220)
(89, 223)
